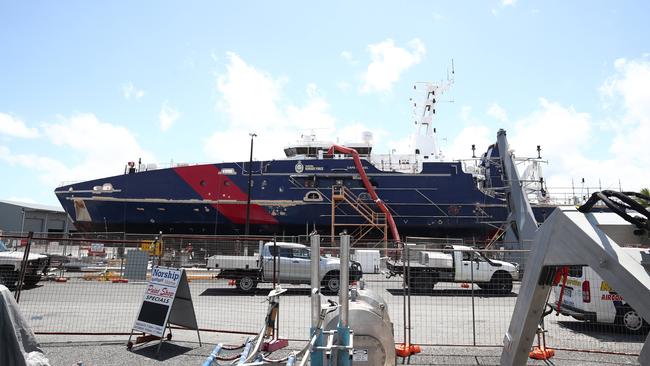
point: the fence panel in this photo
(457, 311)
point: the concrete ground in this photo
(448, 314)
(99, 353)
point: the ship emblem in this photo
(299, 167)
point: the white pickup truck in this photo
(454, 263)
(11, 262)
(292, 265)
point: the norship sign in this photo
(157, 301)
(167, 300)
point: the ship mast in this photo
(424, 140)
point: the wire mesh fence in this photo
(443, 292)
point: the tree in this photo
(645, 192)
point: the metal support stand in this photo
(570, 237)
(344, 338)
(23, 267)
(315, 331)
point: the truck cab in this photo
(283, 262)
(11, 263)
(455, 263)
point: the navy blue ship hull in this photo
(289, 197)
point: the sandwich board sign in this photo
(167, 300)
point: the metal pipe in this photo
(344, 355)
(315, 280)
(23, 266)
(248, 198)
(344, 281)
(471, 266)
(275, 257)
(316, 321)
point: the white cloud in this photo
(388, 62)
(504, 3)
(347, 56)
(129, 91)
(167, 116)
(567, 137)
(252, 100)
(311, 90)
(497, 112)
(51, 170)
(629, 89)
(14, 127)
(100, 149)
(438, 17)
(630, 83)
(461, 146)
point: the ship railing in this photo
(401, 163)
(343, 193)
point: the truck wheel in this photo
(332, 283)
(246, 284)
(31, 280)
(501, 283)
(630, 319)
(9, 278)
(421, 284)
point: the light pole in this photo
(248, 198)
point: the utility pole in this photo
(248, 198)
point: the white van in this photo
(588, 297)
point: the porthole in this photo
(203, 183)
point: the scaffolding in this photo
(373, 221)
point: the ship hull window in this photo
(313, 196)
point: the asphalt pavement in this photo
(457, 325)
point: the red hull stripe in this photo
(210, 185)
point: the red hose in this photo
(368, 186)
(561, 275)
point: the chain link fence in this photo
(442, 292)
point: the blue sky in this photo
(87, 86)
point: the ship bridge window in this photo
(313, 196)
(289, 152)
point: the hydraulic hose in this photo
(625, 202)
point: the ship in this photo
(315, 187)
